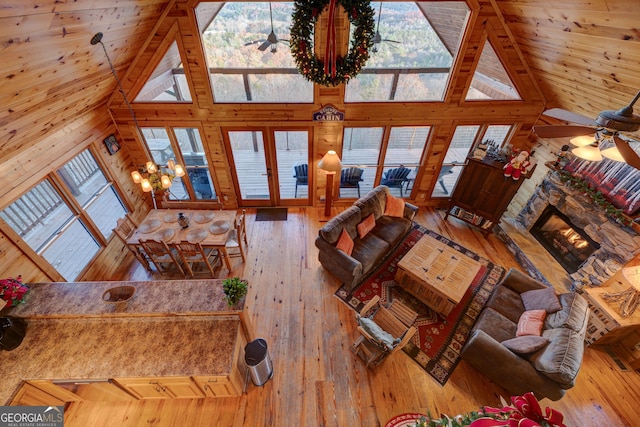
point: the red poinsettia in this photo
(525, 413)
(13, 291)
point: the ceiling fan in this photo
(377, 38)
(606, 127)
(271, 40)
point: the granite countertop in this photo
(169, 328)
(160, 297)
(101, 348)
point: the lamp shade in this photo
(179, 170)
(581, 141)
(151, 167)
(330, 162)
(613, 153)
(146, 185)
(166, 181)
(137, 178)
(588, 152)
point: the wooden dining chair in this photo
(236, 236)
(160, 255)
(193, 254)
(125, 227)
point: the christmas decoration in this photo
(332, 69)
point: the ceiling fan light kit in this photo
(588, 152)
(583, 140)
(606, 129)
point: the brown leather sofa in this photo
(369, 251)
(547, 372)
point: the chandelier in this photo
(152, 177)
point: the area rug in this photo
(437, 345)
(271, 214)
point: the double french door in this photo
(264, 164)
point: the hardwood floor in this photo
(317, 381)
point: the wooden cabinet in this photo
(43, 393)
(160, 388)
(482, 194)
(218, 386)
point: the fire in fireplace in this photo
(567, 243)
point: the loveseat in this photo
(547, 364)
(369, 250)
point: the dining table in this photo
(210, 228)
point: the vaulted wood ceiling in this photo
(584, 55)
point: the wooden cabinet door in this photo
(217, 386)
(43, 393)
(160, 388)
(143, 388)
(181, 387)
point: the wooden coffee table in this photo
(436, 274)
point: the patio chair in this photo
(395, 178)
(384, 330)
(445, 170)
(160, 255)
(351, 178)
(125, 227)
(193, 254)
(236, 237)
(301, 174)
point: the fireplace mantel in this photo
(618, 243)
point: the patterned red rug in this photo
(436, 347)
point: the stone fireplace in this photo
(566, 242)
(607, 244)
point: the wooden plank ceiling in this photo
(584, 54)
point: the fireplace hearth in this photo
(566, 242)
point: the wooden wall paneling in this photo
(32, 124)
(221, 173)
(196, 65)
(15, 263)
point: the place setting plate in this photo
(166, 234)
(150, 225)
(203, 217)
(171, 217)
(219, 227)
(197, 235)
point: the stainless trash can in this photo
(256, 356)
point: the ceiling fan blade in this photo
(628, 153)
(568, 116)
(264, 45)
(562, 131)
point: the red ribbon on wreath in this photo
(330, 51)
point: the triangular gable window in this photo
(168, 82)
(490, 80)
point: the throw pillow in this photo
(531, 323)
(541, 299)
(525, 344)
(394, 206)
(366, 226)
(345, 242)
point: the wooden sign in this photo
(328, 113)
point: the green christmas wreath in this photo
(305, 16)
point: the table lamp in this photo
(331, 164)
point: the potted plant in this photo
(234, 289)
(13, 291)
